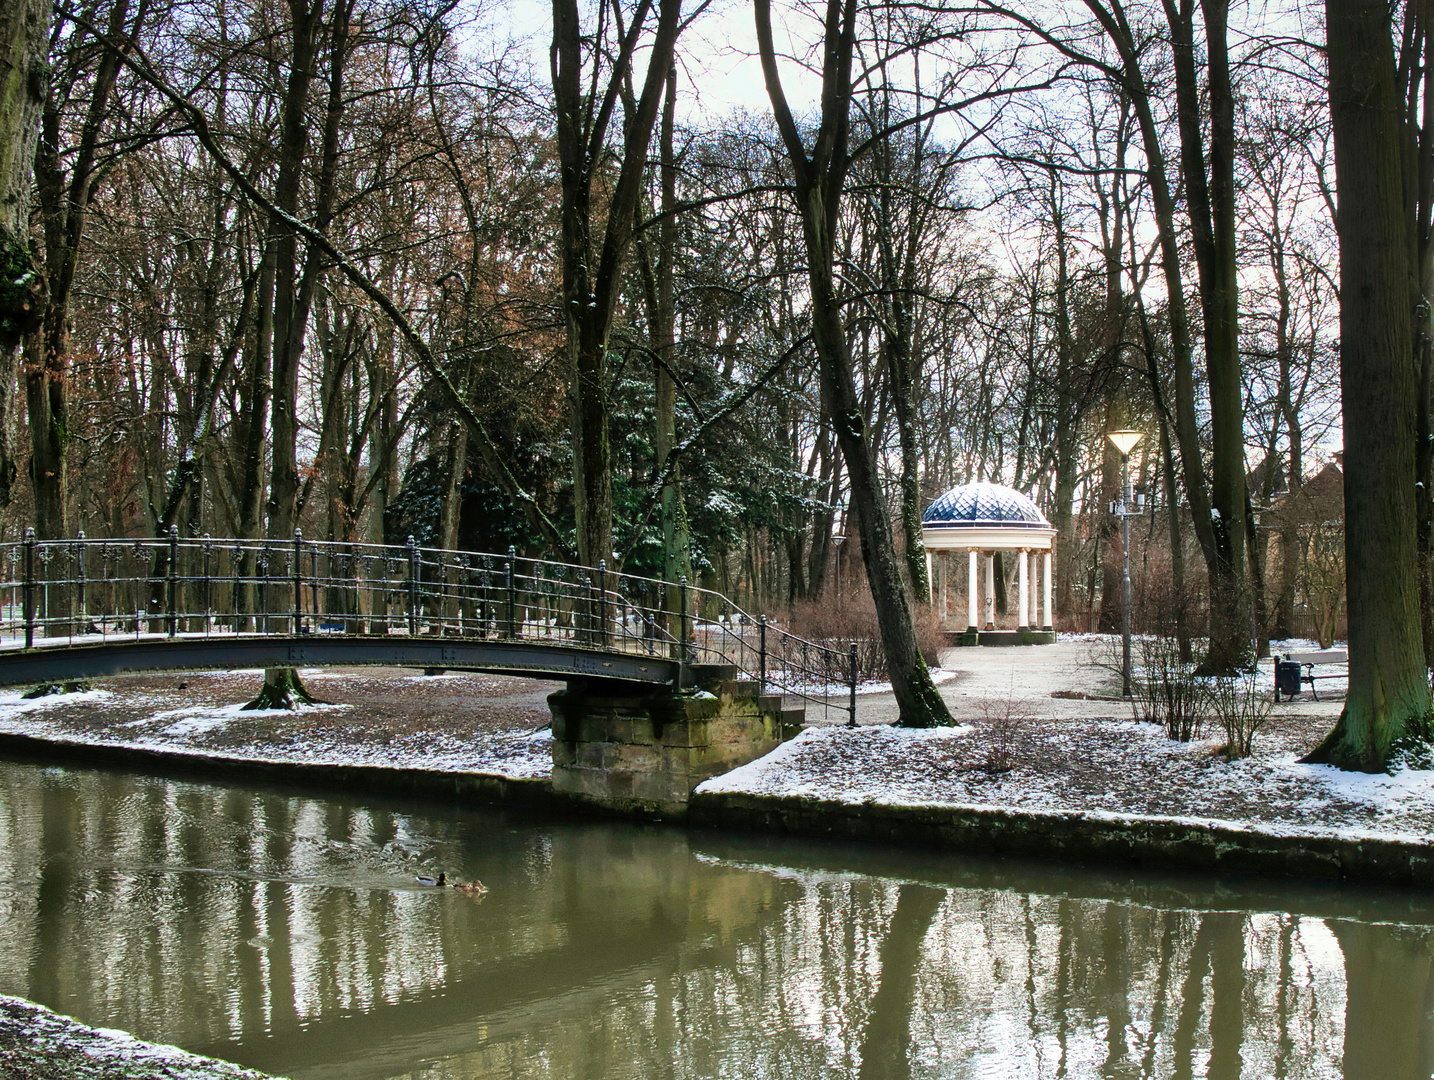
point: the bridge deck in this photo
(94, 657)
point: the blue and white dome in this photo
(983, 505)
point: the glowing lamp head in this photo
(1124, 441)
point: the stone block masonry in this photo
(628, 750)
(1079, 836)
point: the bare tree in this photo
(594, 256)
(820, 173)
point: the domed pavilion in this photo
(981, 519)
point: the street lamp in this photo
(837, 539)
(1125, 442)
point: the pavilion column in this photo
(939, 583)
(1035, 589)
(990, 590)
(973, 588)
(930, 583)
(1047, 623)
(1023, 592)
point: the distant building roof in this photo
(1318, 500)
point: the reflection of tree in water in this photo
(287, 932)
(1387, 1031)
(150, 897)
(886, 1046)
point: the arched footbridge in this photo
(89, 608)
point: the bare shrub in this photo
(930, 638)
(1241, 711)
(1003, 723)
(1163, 680)
(837, 628)
(1167, 691)
(823, 622)
(1162, 607)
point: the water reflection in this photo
(289, 933)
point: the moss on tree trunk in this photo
(282, 689)
(1386, 712)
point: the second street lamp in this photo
(1125, 441)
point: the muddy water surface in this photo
(289, 933)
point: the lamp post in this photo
(1125, 442)
(837, 539)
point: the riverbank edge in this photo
(43, 1044)
(461, 788)
(1078, 836)
(1067, 835)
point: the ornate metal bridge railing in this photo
(88, 591)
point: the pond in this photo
(288, 932)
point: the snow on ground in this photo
(1103, 767)
(378, 717)
(841, 690)
(1044, 728)
(40, 1044)
(14, 702)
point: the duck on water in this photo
(462, 886)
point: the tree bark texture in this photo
(282, 689)
(24, 42)
(1416, 66)
(24, 39)
(1388, 698)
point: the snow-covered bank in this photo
(1112, 768)
(37, 1044)
(465, 723)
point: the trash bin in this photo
(1287, 678)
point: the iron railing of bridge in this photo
(87, 590)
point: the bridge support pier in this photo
(632, 750)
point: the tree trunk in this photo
(658, 278)
(1217, 502)
(1179, 596)
(1388, 704)
(64, 202)
(1108, 532)
(282, 689)
(292, 290)
(1068, 409)
(1211, 201)
(24, 39)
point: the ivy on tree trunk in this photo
(282, 689)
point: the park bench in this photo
(1295, 670)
